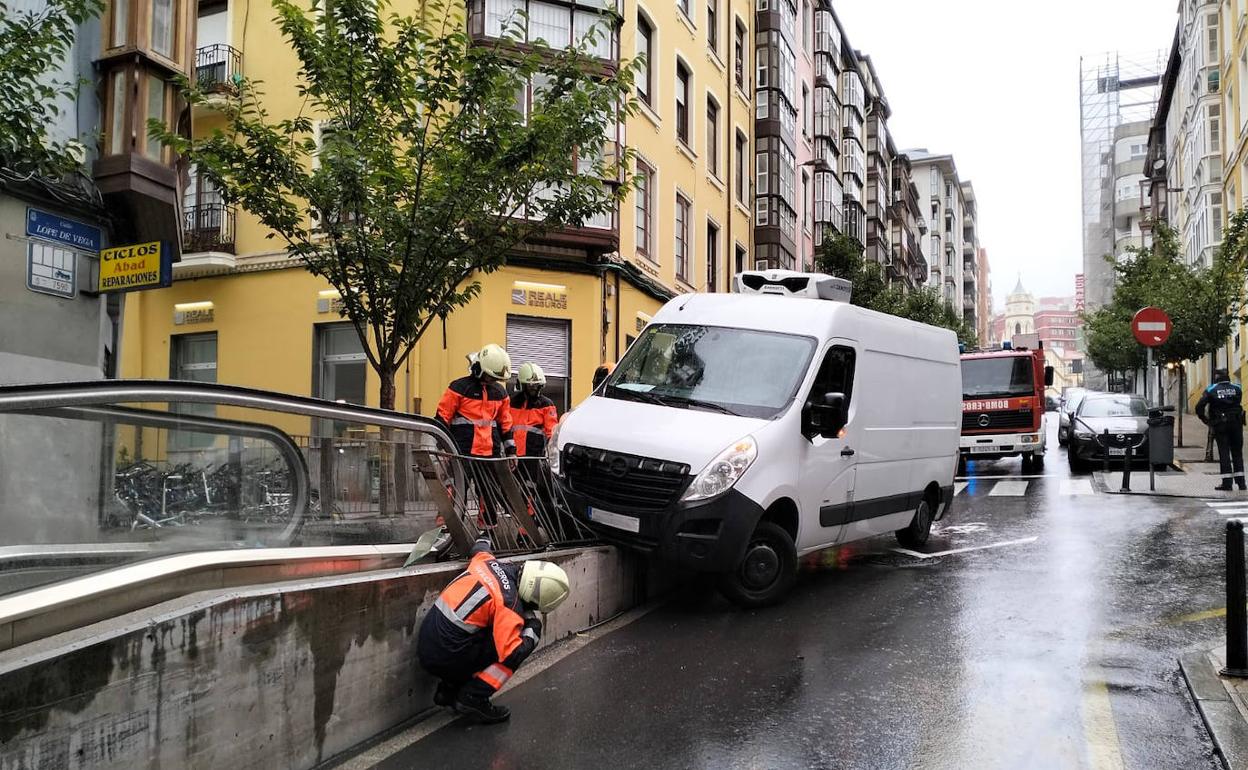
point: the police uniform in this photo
(478, 633)
(1221, 409)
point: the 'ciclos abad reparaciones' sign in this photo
(137, 266)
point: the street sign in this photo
(1151, 327)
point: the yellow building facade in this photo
(241, 313)
(1233, 32)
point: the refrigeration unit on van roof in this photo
(788, 283)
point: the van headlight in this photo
(552, 447)
(721, 473)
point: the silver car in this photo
(1070, 402)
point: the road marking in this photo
(1077, 487)
(1229, 504)
(1009, 489)
(539, 663)
(959, 488)
(1007, 478)
(1196, 617)
(918, 555)
(1099, 730)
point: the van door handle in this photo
(847, 452)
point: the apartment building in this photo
(970, 257)
(984, 298)
(1232, 24)
(569, 302)
(949, 222)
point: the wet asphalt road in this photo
(1053, 648)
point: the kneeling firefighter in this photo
(483, 627)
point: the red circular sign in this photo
(1151, 327)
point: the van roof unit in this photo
(788, 283)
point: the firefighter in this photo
(477, 412)
(533, 414)
(1222, 410)
(483, 627)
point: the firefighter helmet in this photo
(494, 362)
(543, 585)
(532, 374)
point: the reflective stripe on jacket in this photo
(534, 424)
(479, 417)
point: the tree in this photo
(422, 172)
(842, 256)
(33, 43)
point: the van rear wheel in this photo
(767, 571)
(920, 527)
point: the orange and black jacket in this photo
(485, 599)
(478, 416)
(535, 421)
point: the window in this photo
(712, 25)
(1215, 128)
(762, 162)
(117, 139)
(682, 103)
(193, 358)
(341, 371)
(1213, 40)
(712, 137)
(645, 36)
(155, 111)
(740, 170)
(645, 207)
(712, 257)
(164, 26)
(682, 237)
(683, 6)
(738, 55)
(121, 21)
(807, 23)
(835, 375)
(806, 111)
(1215, 205)
(740, 259)
(806, 190)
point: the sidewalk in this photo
(1194, 478)
(1221, 702)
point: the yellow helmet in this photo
(543, 585)
(532, 374)
(494, 362)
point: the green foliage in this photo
(430, 175)
(842, 256)
(1202, 301)
(32, 45)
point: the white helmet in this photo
(543, 585)
(494, 362)
(532, 374)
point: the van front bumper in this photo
(707, 536)
(994, 445)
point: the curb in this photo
(1222, 719)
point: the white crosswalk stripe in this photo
(959, 488)
(1229, 507)
(1009, 489)
(1077, 487)
(994, 487)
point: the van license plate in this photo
(615, 520)
(982, 450)
(1117, 451)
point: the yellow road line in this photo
(1198, 616)
(1099, 729)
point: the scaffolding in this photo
(1115, 89)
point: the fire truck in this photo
(1003, 405)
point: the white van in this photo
(742, 431)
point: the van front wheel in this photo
(767, 571)
(920, 527)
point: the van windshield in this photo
(734, 371)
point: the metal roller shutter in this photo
(542, 341)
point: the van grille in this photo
(1018, 418)
(623, 482)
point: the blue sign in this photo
(50, 227)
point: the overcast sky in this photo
(996, 83)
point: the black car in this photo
(1105, 424)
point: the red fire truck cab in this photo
(1003, 405)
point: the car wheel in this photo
(961, 465)
(1062, 438)
(1037, 462)
(920, 527)
(1076, 465)
(766, 572)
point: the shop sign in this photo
(539, 295)
(68, 232)
(193, 313)
(137, 266)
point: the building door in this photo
(341, 370)
(194, 359)
(547, 343)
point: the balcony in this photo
(218, 69)
(208, 227)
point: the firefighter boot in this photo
(475, 705)
(445, 695)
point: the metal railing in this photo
(218, 68)
(208, 227)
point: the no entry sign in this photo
(1151, 327)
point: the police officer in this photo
(483, 627)
(1221, 409)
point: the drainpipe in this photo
(729, 253)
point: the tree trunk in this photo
(1213, 367)
(387, 497)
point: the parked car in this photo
(1124, 417)
(1050, 403)
(1070, 402)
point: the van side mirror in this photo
(1048, 376)
(827, 418)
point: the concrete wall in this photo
(272, 677)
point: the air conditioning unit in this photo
(788, 283)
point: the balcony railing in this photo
(208, 227)
(218, 68)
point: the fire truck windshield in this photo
(997, 377)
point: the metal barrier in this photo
(181, 493)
